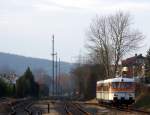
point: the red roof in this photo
(132, 60)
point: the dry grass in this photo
(143, 97)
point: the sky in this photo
(27, 26)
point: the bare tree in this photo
(124, 38)
(100, 47)
(111, 37)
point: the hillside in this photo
(18, 64)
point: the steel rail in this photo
(67, 109)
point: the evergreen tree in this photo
(6, 88)
(26, 86)
(3, 87)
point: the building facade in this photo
(136, 66)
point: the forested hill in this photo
(18, 64)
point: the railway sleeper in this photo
(81, 109)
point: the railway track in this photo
(126, 109)
(21, 108)
(120, 108)
(75, 109)
(5, 100)
(67, 109)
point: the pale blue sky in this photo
(26, 26)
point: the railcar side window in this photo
(115, 85)
(129, 84)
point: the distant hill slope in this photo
(20, 63)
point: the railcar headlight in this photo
(115, 95)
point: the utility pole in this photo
(56, 74)
(59, 77)
(52, 63)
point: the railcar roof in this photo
(117, 79)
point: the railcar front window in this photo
(122, 84)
